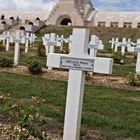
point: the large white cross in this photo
(77, 61)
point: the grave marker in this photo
(138, 62)
(94, 43)
(136, 49)
(51, 45)
(77, 61)
(112, 43)
(3, 38)
(116, 44)
(27, 38)
(123, 47)
(70, 42)
(17, 48)
(46, 39)
(8, 41)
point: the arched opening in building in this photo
(3, 22)
(31, 23)
(66, 21)
(37, 18)
(12, 18)
(22, 28)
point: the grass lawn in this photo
(114, 112)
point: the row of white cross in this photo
(52, 40)
(18, 38)
(129, 46)
(78, 61)
(25, 39)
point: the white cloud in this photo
(46, 5)
(27, 5)
(117, 5)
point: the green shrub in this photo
(41, 51)
(133, 79)
(65, 50)
(6, 62)
(1, 47)
(118, 57)
(35, 68)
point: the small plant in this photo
(35, 68)
(118, 57)
(65, 50)
(41, 51)
(6, 62)
(25, 123)
(134, 79)
(1, 47)
(88, 76)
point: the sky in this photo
(46, 5)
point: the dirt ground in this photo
(104, 80)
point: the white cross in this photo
(116, 44)
(138, 61)
(27, 38)
(70, 42)
(32, 39)
(123, 46)
(23, 39)
(112, 43)
(136, 49)
(3, 38)
(78, 61)
(94, 43)
(17, 48)
(51, 45)
(11, 39)
(45, 39)
(7, 41)
(60, 41)
(101, 45)
(129, 43)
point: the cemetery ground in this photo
(111, 108)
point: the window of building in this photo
(127, 24)
(101, 24)
(138, 25)
(114, 24)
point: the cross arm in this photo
(100, 65)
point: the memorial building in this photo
(82, 12)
